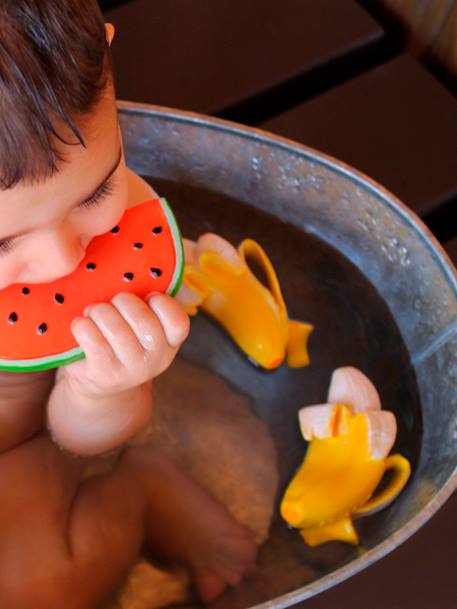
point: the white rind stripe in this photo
(39, 361)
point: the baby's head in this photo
(62, 171)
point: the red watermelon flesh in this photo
(143, 253)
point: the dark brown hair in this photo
(54, 67)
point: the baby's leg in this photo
(66, 543)
(63, 543)
(180, 519)
(186, 525)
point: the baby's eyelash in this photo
(103, 192)
(6, 246)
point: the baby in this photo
(67, 541)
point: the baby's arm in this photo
(100, 402)
(22, 405)
(90, 425)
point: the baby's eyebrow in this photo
(105, 179)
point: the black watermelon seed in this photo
(59, 298)
(116, 229)
(138, 246)
(91, 266)
(12, 318)
(156, 272)
(42, 329)
(157, 230)
(25, 291)
(128, 276)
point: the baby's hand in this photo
(101, 401)
(126, 342)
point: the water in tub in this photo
(235, 428)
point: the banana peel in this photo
(346, 460)
(219, 281)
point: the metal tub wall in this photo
(378, 234)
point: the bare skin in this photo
(65, 541)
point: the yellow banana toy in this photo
(218, 280)
(349, 441)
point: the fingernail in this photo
(76, 320)
(151, 294)
(87, 310)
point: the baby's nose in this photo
(60, 254)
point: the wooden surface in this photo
(432, 27)
(210, 56)
(395, 123)
(451, 249)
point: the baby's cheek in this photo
(116, 205)
(107, 215)
(10, 268)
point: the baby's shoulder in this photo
(139, 189)
(13, 384)
(23, 398)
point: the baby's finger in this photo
(96, 349)
(118, 333)
(174, 320)
(142, 321)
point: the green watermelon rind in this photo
(176, 280)
(73, 355)
(43, 363)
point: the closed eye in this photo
(103, 192)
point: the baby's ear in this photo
(110, 31)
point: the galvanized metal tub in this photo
(391, 248)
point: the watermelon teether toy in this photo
(143, 253)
